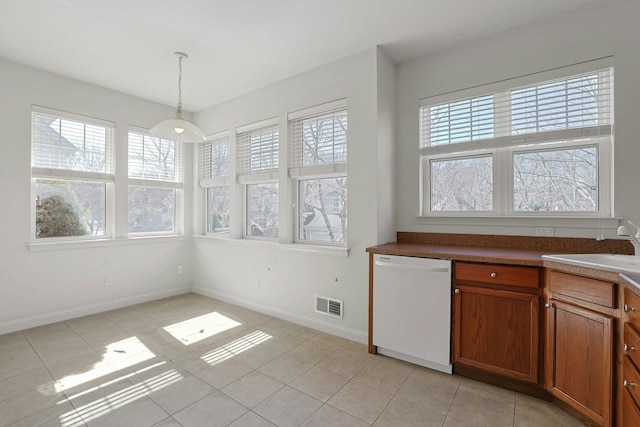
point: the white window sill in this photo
(560, 221)
(101, 243)
(297, 247)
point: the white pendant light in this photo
(178, 129)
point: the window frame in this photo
(298, 172)
(107, 177)
(207, 180)
(177, 185)
(247, 176)
(503, 146)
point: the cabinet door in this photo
(578, 361)
(497, 331)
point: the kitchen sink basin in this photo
(609, 262)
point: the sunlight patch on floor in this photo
(201, 327)
(127, 352)
(236, 347)
(113, 401)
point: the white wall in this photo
(609, 30)
(386, 171)
(38, 287)
(272, 277)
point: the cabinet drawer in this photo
(582, 288)
(631, 379)
(632, 344)
(509, 275)
(632, 307)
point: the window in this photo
(72, 171)
(258, 161)
(318, 164)
(540, 147)
(155, 184)
(214, 176)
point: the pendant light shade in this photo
(178, 129)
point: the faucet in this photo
(634, 237)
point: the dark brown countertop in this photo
(462, 253)
(516, 250)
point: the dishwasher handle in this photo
(412, 267)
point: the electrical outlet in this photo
(544, 231)
(180, 269)
(107, 281)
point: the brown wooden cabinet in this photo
(631, 360)
(496, 319)
(579, 344)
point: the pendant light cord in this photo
(180, 84)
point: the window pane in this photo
(565, 104)
(323, 215)
(263, 148)
(462, 184)
(219, 159)
(460, 121)
(152, 158)
(556, 181)
(262, 210)
(218, 209)
(68, 145)
(324, 140)
(151, 209)
(69, 208)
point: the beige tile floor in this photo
(195, 361)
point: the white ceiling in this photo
(237, 46)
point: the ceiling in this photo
(237, 46)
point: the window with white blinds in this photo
(214, 177)
(72, 170)
(318, 142)
(318, 163)
(534, 145)
(258, 160)
(214, 160)
(155, 159)
(258, 151)
(155, 184)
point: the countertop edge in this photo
(461, 253)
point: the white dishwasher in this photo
(412, 310)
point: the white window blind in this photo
(154, 159)
(214, 161)
(319, 143)
(258, 154)
(66, 145)
(561, 109)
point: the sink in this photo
(609, 262)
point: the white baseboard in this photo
(59, 316)
(329, 328)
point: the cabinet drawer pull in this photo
(627, 308)
(494, 275)
(457, 291)
(628, 384)
(627, 348)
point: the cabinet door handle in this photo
(628, 384)
(457, 291)
(627, 308)
(627, 348)
(494, 275)
(547, 305)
